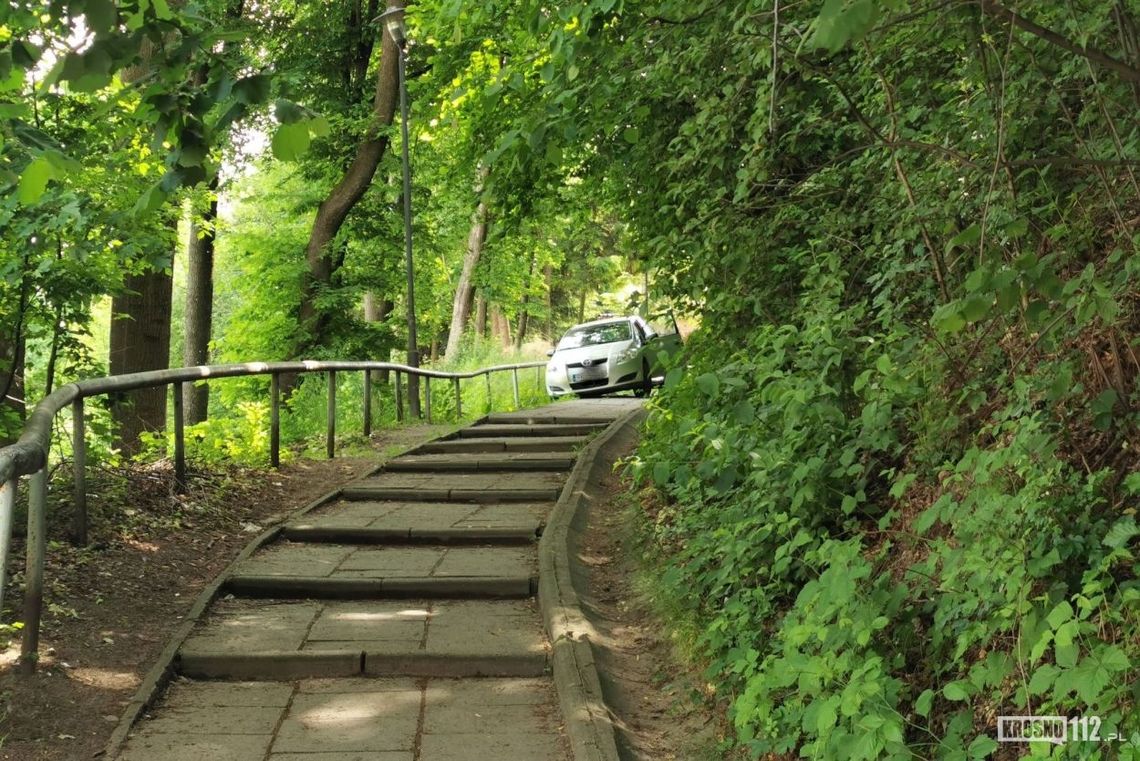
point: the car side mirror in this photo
(550, 353)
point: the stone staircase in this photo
(396, 621)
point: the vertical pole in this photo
(275, 420)
(490, 404)
(399, 398)
(179, 440)
(458, 400)
(515, 378)
(34, 571)
(413, 344)
(330, 431)
(7, 506)
(367, 403)
(427, 396)
(79, 474)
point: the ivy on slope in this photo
(900, 471)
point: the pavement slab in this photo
(360, 719)
(467, 481)
(485, 442)
(335, 561)
(523, 430)
(425, 516)
(447, 630)
(479, 462)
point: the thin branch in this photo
(1099, 57)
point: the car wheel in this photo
(646, 386)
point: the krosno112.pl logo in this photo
(1053, 729)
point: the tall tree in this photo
(465, 289)
(323, 258)
(198, 312)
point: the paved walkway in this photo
(395, 623)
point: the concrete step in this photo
(496, 430)
(426, 518)
(399, 588)
(472, 463)
(257, 639)
(466, 496)
(348, 534)
(548, 418)
(344, 571)
(504, 444)
(458, 487)
(379, 719)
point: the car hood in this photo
(596, 352)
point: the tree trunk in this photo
(481, 316)
(377, 310)
(140, 329)
(524, 316)
(140, 341)
(549, 272)
(582, 306)
(500, 327)
(333, 211)
(12, 346)
(198, 313)
(461, 307)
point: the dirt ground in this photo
(110, 607)
(662, 707)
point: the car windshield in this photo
(592, 335)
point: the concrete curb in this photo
(164, 669)
(588, 721)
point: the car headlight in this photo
(625, 355)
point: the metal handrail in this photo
(29, 455)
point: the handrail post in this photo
(515, 377)
(179, 440)
(399, 398)
(427, 396)
(34, 570)
(330, 428)
(7, 507)
(79, 474)
(458, 400)
(490, 402)
(367, 403)
(275, 420)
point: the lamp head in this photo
(393, 19)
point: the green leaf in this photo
(1060, 614)
(1042, 679)
(252, 90)
(1017, 227)
(102, 15)
(970, 235)
(956, 690)
(708, 383)
(925, 700)
(948, 319)
(661, 473)
(34, 180)
(982, 746)
(673, 377)
(1121, 532)
(976, 307)
(631, 135)
(162, 10)
(290, 141)
(287, 112)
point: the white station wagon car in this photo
(608, 355)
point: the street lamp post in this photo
(393, 19)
